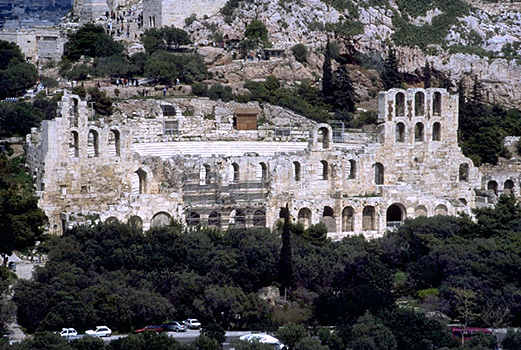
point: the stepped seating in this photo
(215, 148)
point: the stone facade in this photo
(37, 44)
(155, 161)
(159, 13)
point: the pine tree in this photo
(391, 77)
(286, 263)
(327, 74)
(342, 91)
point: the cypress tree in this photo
(343, 92)
(391, 77)
(427, 73)
(327, 74)
(286, 261)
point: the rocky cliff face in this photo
(484, 42)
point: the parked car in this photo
(151, 328)
(68, 332)
(100, 331)
(192, 323)
(173, 326)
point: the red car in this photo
(157, 329)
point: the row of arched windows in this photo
(237, 218)
(508, 187)
(93, 144)
(419, 132)
(419, 104)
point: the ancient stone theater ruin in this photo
(227, 165)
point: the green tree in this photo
(165, 68)
(214, 331)
(291, 334)
(257, 32)
(15, 74)
(327, 74)
(342, 91)
(427, 74)
(391, 76)
(300, 52)
(91, 40)
(286, 259)
(368, 329)
(102, 103)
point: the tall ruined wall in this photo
(158, 13)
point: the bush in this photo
(219, 92)
(80, 91)
(200, 89)
(300, 52)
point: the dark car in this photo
(154, 328)
(173, 326)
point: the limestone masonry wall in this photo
(182, 159)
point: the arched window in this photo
(323, 137)
(508, 187)
(379, 174)
(395, 215)
(436, 132)
(348, 219)
(492, 186)
(240, 218)
(75, 114)
(214, 220)
(441, 210)
(328, 218)
(399, 101)
(74, 150)
(304, 217)
(324, 175)
(135, 222)
(139, 182)
(352, 169)
(420, 210)
(259, 218)
(235, 172)
(419, 103)
(262, 172)
(418, 132)
(400, 132)
(193, 219)
(368, 218)
(161, 219)
(436, 104)
(464, 172)
(296, 171)
(114, 143)
(204, 174)
(92, 144)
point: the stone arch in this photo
(464, 172)
(463, 201)
(214, 220)
(139, 182)
(323, 137)
(436, 103)
(296, 171)
(234, 172)
(324, 174)
(508, 187)
(114, 143)
(395, 215)
(436, 132)
(419, 131)
(75, 113)
(160, 219)
(328, 218)
(378, 173)
(348, 219)
(399, 135)
(204, 174)
(259, 218)
(420, 210)
(399, 104)
(492, 186)
(240, 218)
(193, 219)
(419, 103)
(111, 220)
(74, 148)
(352, 169)
(262, 172)
(135, 222)
(304, 217)
(93, 144)
(441, 209)
(369, 218)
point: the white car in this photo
(68, 332)
(100, 331)
(192, 323)
(263, 339)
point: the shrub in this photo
(300, 52)
(199, 89)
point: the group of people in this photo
(127, 82)
(120, 19)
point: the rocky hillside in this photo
(459, 38)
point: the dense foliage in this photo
(164, 38)
(15, 74)
(91, 41)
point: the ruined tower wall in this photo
(158, 13)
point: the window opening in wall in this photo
(204, 174)
(399, 99)
(352, 169)
(464, 172)
(235, 172)
(63, 190)
(84, 189)
(492, 186)
(74, 150)
(436, 104)
(135, 222)
(348, 222)
(419, 103)
(161, 219)
(139, 182)
(394, 217)
(193, 219)
(262, 172)
(92, 144)
(304, 217)
(436, 132)
(400, 132)
(240, 218)
(323, 137)
(379, 174)
(328, 218)
(325, 171)
(420, 211)
(259, 218)
(368, 218)
(441, 210)
(114, 143)
(296, 170)
(418, 132)
(171, 128)
(214, 219)
(508, 187)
